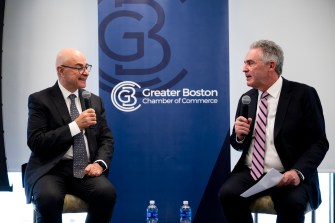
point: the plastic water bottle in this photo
(152, 212)
(185, 213)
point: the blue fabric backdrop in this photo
(164, 78)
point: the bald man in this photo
(50, 136)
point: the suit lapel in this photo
(80, 91)
(60, 104)
(88, 131)
(283, 103)
(253, 107)
(253, 104)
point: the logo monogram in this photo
(133, 47)
(123, 96)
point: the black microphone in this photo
(87, 100)
(245, 107)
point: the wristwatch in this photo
(102, 165)
(301, 177)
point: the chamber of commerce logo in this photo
(141, 62)
(128, 96)
(123, 96)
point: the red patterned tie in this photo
(257, 166)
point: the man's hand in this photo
(290, 178)
(86, 119)
(93, 170)
(242, 127)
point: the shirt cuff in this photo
(301, 176)
(74, 128)
(102, 164)
(238, 141)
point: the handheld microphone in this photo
(87, 100)
(245, 108)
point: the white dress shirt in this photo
(272, 159)
(74, 128)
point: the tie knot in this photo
(264, 95)
(72, 97)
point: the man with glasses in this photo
(71, 145)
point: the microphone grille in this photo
(86, 94)
(246, 99)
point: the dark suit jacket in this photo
(49, 135)
(299, 134)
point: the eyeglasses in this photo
(81, 70)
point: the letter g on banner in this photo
(123, 96)
(138, 37)
(134, 46)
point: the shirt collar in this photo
(65, 92)
(275, 89)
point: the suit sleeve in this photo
(233, 142)
(251, 112)
(312, 141)
(48, 135)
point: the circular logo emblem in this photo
(123, 96)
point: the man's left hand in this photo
(290, 178)
(93, 170)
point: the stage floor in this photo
(13, 208)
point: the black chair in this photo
(72, 204)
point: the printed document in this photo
(271, 179)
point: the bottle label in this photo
(185, 214)
(152, 214)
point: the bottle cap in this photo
(185, 202)
(151, 202)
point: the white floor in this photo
(13, 208)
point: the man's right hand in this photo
(242, 127)
(86, 119)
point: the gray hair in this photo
(271, 52)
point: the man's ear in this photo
(272, 64)
(60, 71)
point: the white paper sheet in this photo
(270, 179)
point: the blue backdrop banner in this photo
(164, 78)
